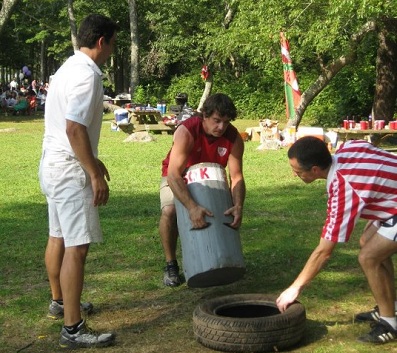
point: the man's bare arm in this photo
(79, 140)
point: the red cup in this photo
(364, 125)
(346, 124)
(393, 125)
(352, 124)
(379, 124)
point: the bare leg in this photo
(168, 232)
(369, 232)
(375, 260)
(53, 261)
(72, 279)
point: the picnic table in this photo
(145, 120)
(371, 135)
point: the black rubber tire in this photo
(247, 323)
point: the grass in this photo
(282, 221)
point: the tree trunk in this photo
(230, 11)
(315, 88)
(207, 91)
(329, 73)
(134, 79)
(121, 77)
(43, 61)
(73, 27)
(5, 12)
(386, 72)
(229, 15)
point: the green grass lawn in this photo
(283, 218)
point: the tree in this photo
(338, 50)
(5, 12)
(134, 81)
(229, 9)
(386, 71)
(329, 72)
(325, 39)
(206, 75)
(72, 22)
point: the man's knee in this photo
(78, 251)
(169, 211)
(367, 258)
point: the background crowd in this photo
(23, 96)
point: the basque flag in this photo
(292, 92)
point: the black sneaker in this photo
(171, 274)
(372, 315)
(85, 338)
(381, 333)
(55, 310)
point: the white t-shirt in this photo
(13, 85)
(76, 94)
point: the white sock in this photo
(392, 321)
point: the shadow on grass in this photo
(314, 331)
(276, 241)
(124, 274)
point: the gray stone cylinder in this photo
(212, 256)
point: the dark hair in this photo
(220, 103)
(310, 151)
(93, 27)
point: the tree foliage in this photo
(334, 57)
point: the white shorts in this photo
(67, 187)
(388, 229)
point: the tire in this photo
(247, 323)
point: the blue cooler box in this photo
(121, 116)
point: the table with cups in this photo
(358, 131)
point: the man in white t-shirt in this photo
(72, 177)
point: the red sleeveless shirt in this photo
(206, 149)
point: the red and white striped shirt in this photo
(362, 182)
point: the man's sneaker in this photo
(381, 333)
(85, 338)
(55, 310)
(372, 315)
(171, 274)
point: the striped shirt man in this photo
(362, 182)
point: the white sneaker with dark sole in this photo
(85, 338)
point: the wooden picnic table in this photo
(145, 120)
(371, 135)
